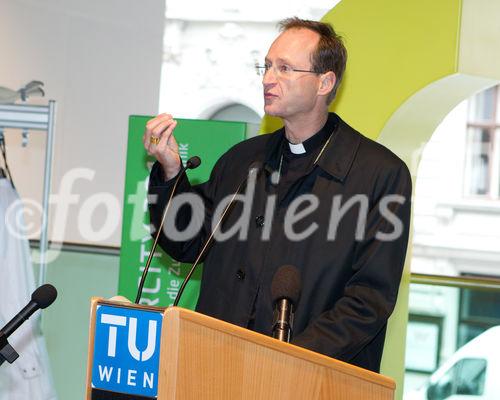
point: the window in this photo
(423, 343)
(482, 176)
(478, 311)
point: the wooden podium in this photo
(204, 358)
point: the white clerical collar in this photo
(297, 148)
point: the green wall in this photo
(77, 276)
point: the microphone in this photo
(192, 163)
(285, 294)
(254, 166)
(42, 297)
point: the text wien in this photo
(110, 374)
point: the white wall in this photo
(460, 230)
(210, 52)
(101, 61)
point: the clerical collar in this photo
(315, 141)
(297, 148)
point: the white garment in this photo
(297, 148)
(29, 377)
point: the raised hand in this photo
(160, 142)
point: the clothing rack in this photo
(35, 118)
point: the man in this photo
(325, 199)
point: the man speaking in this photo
(324, 198)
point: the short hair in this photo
(330, 53)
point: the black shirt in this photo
(296, 166)
(293, 169)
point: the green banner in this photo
(206, 139)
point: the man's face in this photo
(291, 94)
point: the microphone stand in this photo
(207, 243)
(7, 352)
(192, 163)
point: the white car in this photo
(472, 372)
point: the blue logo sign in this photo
(126, 350)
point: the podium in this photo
(143, 352)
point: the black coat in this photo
(349, 284)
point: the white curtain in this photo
(29, 377)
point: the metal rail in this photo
(39, 118)
(468, 282)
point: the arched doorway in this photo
(241, 113)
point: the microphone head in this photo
(286, 284)
(193, 162)
(44, 296)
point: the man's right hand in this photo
(166, 151)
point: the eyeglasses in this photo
(280, 70)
